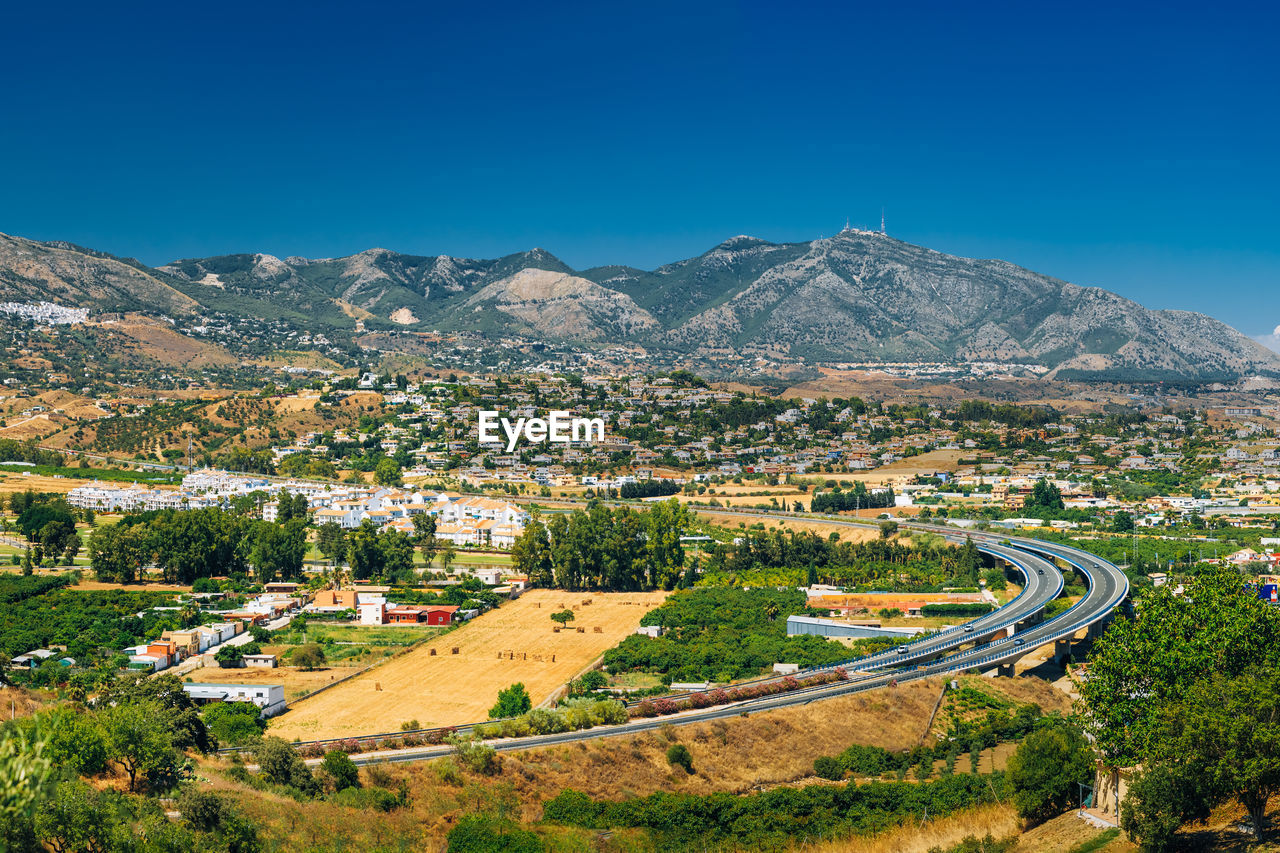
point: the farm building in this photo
(268, 697)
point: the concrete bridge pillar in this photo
(1005, 670)
(1062, 650)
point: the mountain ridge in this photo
(854, 297)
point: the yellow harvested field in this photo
(901, 471)
(822, 528)
(12, 481)
(296, 682)
(445, 689)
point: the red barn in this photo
(440, 614)
(428, 614)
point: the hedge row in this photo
(663, 706)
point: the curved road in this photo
(938, 654)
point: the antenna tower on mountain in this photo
(881, 220)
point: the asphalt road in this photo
(938, 655)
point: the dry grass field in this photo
(296, 682)
(742, 754)
(11, 481)
(998, 820)
(822, 528)
(444, 689)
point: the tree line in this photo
(12, 450)
(928, 563)
(859, 497)
(648, 489)
(186, 545)
(599, 548)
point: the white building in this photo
(268, 697)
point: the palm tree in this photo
(771, 611)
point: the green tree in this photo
(480, 833)
(564, 617)
(26, 782)
(309, 656)
(75, 740)
(1145, 665)
(139, 741)
(178, 710)
(78, 817)
(280, 763)
(888, 529)
(447, 555)
(1045, 770)
(664, 524)
(234, 723)
(229, 657)
(397, 554)
(341, 770)
(117, 552)
(1045, 494)
(278, 550)
(1226, 734)
(424, 535)
(512, 702)
(387, 473)
(331, 539)
(1122, 522)
(204, 811)
(364, 552)
(1159, 800)
(474, 755)
(531, 555)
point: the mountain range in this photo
(856, 297)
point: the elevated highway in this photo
(994, 641)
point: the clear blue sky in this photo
(1131, 149)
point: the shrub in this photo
(369, 799)
(828, 767)
(608, 712)
(477, 833)
(678, 756)
(379, 776)
(279, 763)
(474, 755)
(341, 770)
(202, 810)
(234, 723)
(309, 656)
